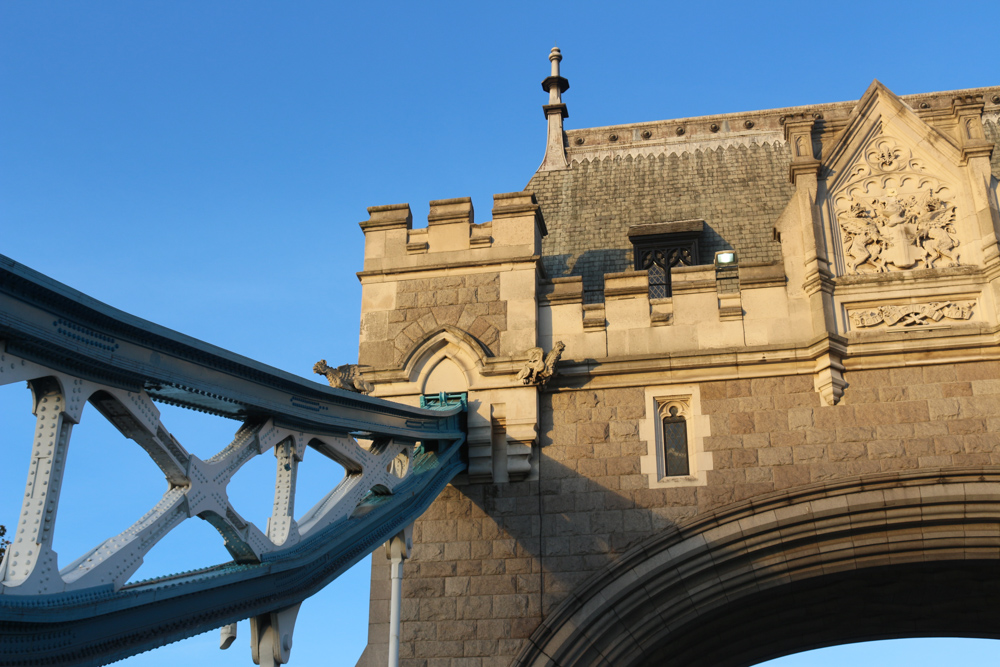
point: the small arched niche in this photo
(445, 360)
(445, 375)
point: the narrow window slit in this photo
(675, 443)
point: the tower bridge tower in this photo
(733, 387)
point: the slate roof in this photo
(729, 170)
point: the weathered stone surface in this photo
(485, 586)
(772, 409)
(423, 306)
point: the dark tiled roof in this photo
(589, 207)
(730, 171)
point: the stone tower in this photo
(777, 402)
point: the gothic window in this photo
(658, 260)
(662, 246)
(673, 445)
(674, 430)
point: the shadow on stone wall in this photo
(546, 537)
(491, 560)
(507, 554)
(593, 264)
(710, 243)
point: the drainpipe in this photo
(397, 550)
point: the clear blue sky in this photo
(204, 165)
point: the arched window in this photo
(674, 430)
(673, 440)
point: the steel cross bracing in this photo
(71, 350)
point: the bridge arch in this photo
(875, 557)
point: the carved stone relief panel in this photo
(894, 216)
(911, 315)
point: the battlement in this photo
(452, 237)
(711, 309)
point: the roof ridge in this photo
(780, 110)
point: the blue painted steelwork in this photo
(57, 328)
(445, 399)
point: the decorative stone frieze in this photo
(911, 315)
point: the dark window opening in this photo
(675, 444)
(659, 260)
(660, 247)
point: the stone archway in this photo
(878, 557)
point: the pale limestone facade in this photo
(854, 342)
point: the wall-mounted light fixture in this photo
(724, 258)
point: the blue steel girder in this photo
(72, 349)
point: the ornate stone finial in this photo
(555, 111)
(347, 377)
(540, 367)
(555, 56)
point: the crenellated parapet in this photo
(478, 278)
(711, 310)
(452, 237)
(452, 307)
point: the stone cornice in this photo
(859, 350)
(929, 278)
(445, 266)
(555, 108)
(391, 216)
(561, 290)
(671, 227)
(753, 276)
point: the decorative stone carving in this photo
(912, 314)
(540, 368)
(521, 439)
(346, 376)
(892, 216)
(828, 379)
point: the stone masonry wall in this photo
(490, 560)
(470, 302)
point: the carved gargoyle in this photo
(347, 376)
(540, 367)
